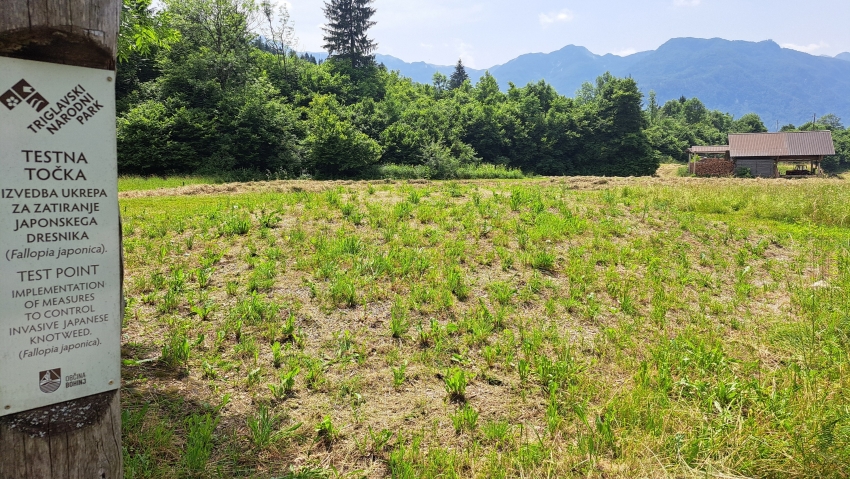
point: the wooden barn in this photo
(761, 153)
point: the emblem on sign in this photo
(23, 92)
(50, 380)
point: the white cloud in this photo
(465, 52)
(686, 3)
(564, 15)
(625, 52)
(810, 48)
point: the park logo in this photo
(23, 92)
(50, 380)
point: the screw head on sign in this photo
(8, 407)
(108, 78)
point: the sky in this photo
(488, 33)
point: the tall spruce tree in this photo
(345, 33)
(458, 76)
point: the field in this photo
(589, 327)
(141, 183)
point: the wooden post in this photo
(79, 439)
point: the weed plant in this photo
(596, 327)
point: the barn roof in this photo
(784, 144)
(709, 150)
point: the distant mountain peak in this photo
(733, 76)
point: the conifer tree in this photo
(458, 76)
(345, 33)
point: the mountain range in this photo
(781, 85)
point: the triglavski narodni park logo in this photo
(23, 92)
(50, 380)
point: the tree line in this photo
(217, 87)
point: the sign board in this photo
(60, 325)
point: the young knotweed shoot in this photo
(497, 432)
(523, 369)
(326, 432)
(270, 219)
(425, 336)
(398, 320)
(235, 225)
(465, 419)
(287, 329)
(177, 282)
(286, 386)
(347, 209)
(190, 242)
(247, 348)
(287, 380)
(399, 375)
(502, 292)
(343, 291)
(263, 428)
(203, 276)
(456, 283)
(542, 260)
(277, 355)
(254, 377)
(175, 351)
(489, 353)
(553, 415)
(220, 336)
(157, 280)
(455, 381)
(262, 278)
(170, 302)
(204, 308)
(199, 441)
(379, 440)
(315, 376)
(274, 254)
(209, 370)
(210, 258)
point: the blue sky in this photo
(487, 33)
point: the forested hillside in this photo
(201, 91)
(738, 77)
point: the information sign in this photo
(60, 277)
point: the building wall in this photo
(759, 167)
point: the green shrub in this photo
(487, 171)
(742, 172)
(404, 172)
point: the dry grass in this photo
(606, 327)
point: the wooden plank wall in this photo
(760, 168)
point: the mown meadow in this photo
(555, 327)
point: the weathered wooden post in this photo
(60, 266)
